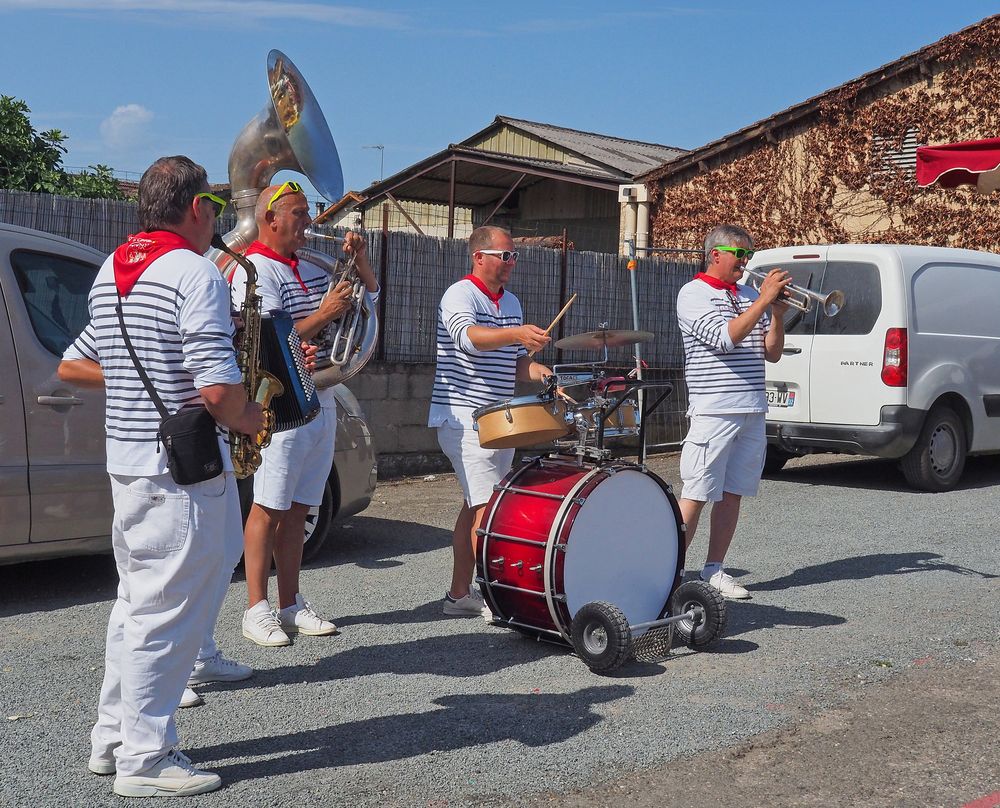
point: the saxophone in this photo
(260, 385)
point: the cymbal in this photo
(602, 338)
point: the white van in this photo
(910, 368)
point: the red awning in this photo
(975, 162)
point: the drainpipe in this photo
(626, 197)
(642, 219)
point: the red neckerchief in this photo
(482, 287)
(139, 251)
(715, 283)
(257, 248)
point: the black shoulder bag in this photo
(188, 436)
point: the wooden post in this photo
(563, 272)
(383, 271)
(451, 202)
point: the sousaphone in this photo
(290, 133)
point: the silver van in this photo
(55, 498)
(910, 369)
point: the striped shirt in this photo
(280, 289)
(466, 378)
(721, 377)
(178, 320)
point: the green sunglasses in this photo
(739, 252)
(218, 201)
(290, 187)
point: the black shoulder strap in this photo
(164, 412)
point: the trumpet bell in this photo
(833, 304)
(801, 298)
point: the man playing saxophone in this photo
(293, 471)
(175, 545)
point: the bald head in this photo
(282, 228)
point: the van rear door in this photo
(845, 371)
(14, 502)
(787, 381)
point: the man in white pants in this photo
(295, 466)
(482, 347)
(174, 544)
(728, 331)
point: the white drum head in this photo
(623, 547)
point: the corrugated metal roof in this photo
(624, 159)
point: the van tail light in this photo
(894, 358)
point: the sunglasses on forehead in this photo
(217, 201)
(290, 187)
(503, 255)
(739, 252)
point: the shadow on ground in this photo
(462, 721)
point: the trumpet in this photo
(802, 299)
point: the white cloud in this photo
(126, 125)
(235, 9)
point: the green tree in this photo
(32, 161)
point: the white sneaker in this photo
(728, 587)
(190, 699)
(173, 776)
(472, 603)
(218, 669)
(102, 761)
(301, 619)
(262, 626)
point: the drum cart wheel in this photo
(601, 636)
(706, 613)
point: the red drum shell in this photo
(556, 535)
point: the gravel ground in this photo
(854, 579)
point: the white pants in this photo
(296, 465)
(174, 547)
(723, 453)
(476, 468)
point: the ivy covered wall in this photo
(831, 178)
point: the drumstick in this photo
(558, 318)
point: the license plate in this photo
(780, 398)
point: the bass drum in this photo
(557, 535)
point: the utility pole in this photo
(381, 158)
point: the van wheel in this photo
(317, 525)
(937, 459)
(775, 459)
(317, 520)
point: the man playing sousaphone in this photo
(293, 470)
(482, 347)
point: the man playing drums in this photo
(482, 348)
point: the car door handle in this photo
(60, 401)
(791, 350)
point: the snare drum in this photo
(522, 421)
(557, 535)
(621, 423)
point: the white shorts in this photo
(296, 464)
(477, 469)
(723, 453)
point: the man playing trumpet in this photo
(729, 330)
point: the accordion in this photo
(281, 354)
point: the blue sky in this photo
(131, 80)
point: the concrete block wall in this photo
(395, 398)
